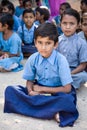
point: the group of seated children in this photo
(56, 68)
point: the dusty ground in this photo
(17, 122)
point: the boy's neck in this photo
(28, 27)
(7, 34)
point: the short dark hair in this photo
(47, 30)
(25, 1)
(71, 12)
(66, 4)
(10, 6)
(28, 11)
(43, 11)
(84, 1)
(6, 18)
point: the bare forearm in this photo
(29, 86)
(41, 89)
(80, 68)
(9, 55)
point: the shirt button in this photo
(46, 68)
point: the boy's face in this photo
(44, 46)
(28, 5)
(29, 19)
(83, 7)
(37, 15)
(62, 9)
(21, 2)
(5, 9)
(3, 27)
(84, 27)
(69, 25)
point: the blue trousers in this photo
(29, 48)
(18, 101)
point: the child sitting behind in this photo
(48, 93)
(56, 20)
(42, 15)
(10, 45)
(73, 47)
(9, 8)
(83, 33)
(83, 7)
(26, 31)
(19, 8)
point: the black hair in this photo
(84, 1)
(28, 11)
(10, 6)
(43, 11)
(46, 13)
(3, 2)
(24, 2)
(71, 12)
(6, 18)
(66, 4)
(37, 9)
(47, 30)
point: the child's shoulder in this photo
(15, 37)
(81, 34)
(34, 56)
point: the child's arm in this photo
(80, 68)
(7, 54)
(45, 89)
(29, 85)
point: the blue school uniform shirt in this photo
(52, 71)
(81, 34)
(74, 49)
(17, 23)
(57, 20)
(12, 46)
(18, 11)
(27, 35)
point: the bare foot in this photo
(3, 70)
(57, 118)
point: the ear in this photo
(56, 45)
(6, 26)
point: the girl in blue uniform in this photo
(10, 45)
(73, 47)
(48, 93)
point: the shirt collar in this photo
(50, 59)
(31, 29)
(71, 37)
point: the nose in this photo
(44, 47)
(68, 26)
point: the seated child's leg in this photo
(78, 79)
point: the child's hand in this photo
(22, 44)
(1, 57)
(5, 56)
(32, 93)
(37, 88)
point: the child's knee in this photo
(8, 90)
